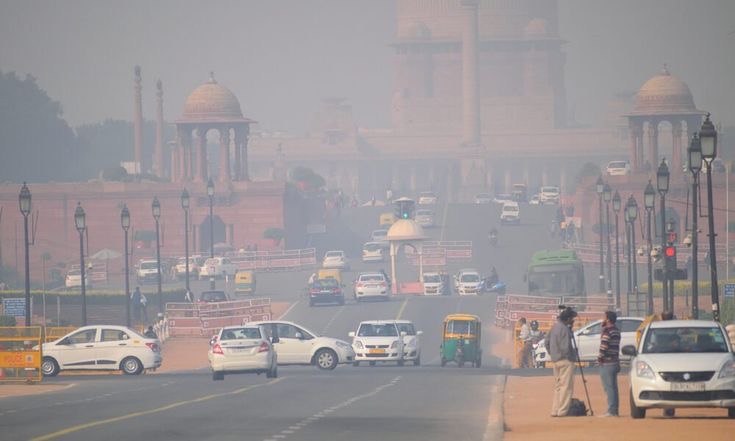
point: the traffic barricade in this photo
(20, 354)
(197, 319)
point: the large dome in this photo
(212, 102)
(405, 229)
(664, 94)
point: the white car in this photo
(101, 347)
(217, 267)
(433, 284)
(425, 218)
(296, 345)
(534, 200)
(502, 198)
(242, 349)
(618, 168)
(510, 214)
(372, 252)
(427, 198)
(379, 236)
(335, 259)
(467, 282)
(588, 340)
(386, 340)
(371, 285)
(682, 363)
(195, 262)
(483, 198)
(549, 195)
(147, 271)
(73, 279)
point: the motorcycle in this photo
(493, 238)
(535, 347)
(489, 287)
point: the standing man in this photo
(609, 360)
(523, 335)
(562, 353)
(135, 302)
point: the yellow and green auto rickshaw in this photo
(462, 340)
(245, 282)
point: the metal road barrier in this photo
(510, 308)
(286, 260)
(203, 319)
(20, 354)
(438, 253)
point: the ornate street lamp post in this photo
(708, 142)
(616, 210)
(607, 197)
(600, 187)
(81, 224)
(694, 153)
(156, 209)
(662, 183)
(125, 223)
(628, 256)
(632, 209)
(649, 199)
(185, 201)
(210, 193)
(24, 202)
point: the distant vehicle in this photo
(195, 262)
(680, 364)
(468, 282)
(326, 291)
(371, 285)
(241, 350)
(555, 273)
(380, 236)
(217, 267)
(502, 198)
(387, 219)
(520, 193)
(483, 198)
(336, 259)
(510, 214)
(372, 252)
(386, 340)
(534, 200)
(330, 273)
(245, 282)
(300, 346)
(427, 198)
(73, 279)
(433, 284)
(618, 168)
(425, 218)
(212, 297)
(101, 347)
(549, 195)
(147, 271)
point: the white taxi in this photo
(242, 349)
(386, 340)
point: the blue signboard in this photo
(15, 306)
(730, 290)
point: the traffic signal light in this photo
(670, 256)
(404, 208)
(671, 252)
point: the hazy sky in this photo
(280, 57)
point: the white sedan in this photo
(386, 340)
(242, 349)
(102, 347)
(297, 345)
(682, 363)
(371, 285)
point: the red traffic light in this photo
(670, 251)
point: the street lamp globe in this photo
(616, 202)
(600, 185)
(125, 218)
(156, 207)
(80, 218)
(210, 188)
(185, 201)
(708, 138)
(694, 153)
(662, 177)
(632, 208)
(649, 196)
(24, 200)
(606, 193)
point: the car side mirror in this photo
(351, 334)
(275, 340)
(420, 333)
(404, 333)
(585, 332)
(629, 350)
(299, 335)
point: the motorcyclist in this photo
(534, 337)
(493, 236)
(493, 278)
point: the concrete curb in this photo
(495, 429)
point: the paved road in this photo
(424, 402)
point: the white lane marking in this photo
(331, 320)
(444, 221)
(495, 418)
(329, 410)
(403, 307)
(285, 313)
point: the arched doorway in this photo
(204, 236)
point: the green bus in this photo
(556, 273)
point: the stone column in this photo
(470, 84)
(158, 153)
(202, 169)
(636, 136)
(138, 121)
(238, 154)
(224, 155)
(676, 164)
(653, 143)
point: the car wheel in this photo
(635, 411)
(218, 376)
(478, 362)
(326, 359)
(356, 363)
(131, 366)
(311, 303)
(341, 302)
(417, 362)
(444, 362)
(731, 412)
(372, 363)
(401, 362)
(49, 367)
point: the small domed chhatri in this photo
(664, 94)
(212, 102)
(405, 229)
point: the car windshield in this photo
(371, 278)
(148, 265)
(424, 213)
(372, 247)
(463, 327)
(407, 328)
(74, 272)
(380, 233)
(377, 330)
(469, 278)
(432, 278)
(427, 194)
(684, 339)
(241, 333)
(551, 190)
(333, 254)
(617, 164)
(511, 208)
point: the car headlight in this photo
(394, 344)
(643, 370)
(728, 370)
(358, 344)
(411, 342)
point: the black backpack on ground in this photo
(577, 408)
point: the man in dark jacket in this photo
(609, 360)
(562, 353)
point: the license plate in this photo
(240, 349)
(377, 351)
(687, 387)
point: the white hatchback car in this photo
(296, 345)
(242, 349)
(73, 279)
(372, 252)
(386, 340)
(467, 282)
(217, 267)
(682, 363)
(336, 259)
(549, 195)
(371, 285)
(101, 347)
(433, 284)
(510, 214)
(427, 198)
(618, 168)
(425, 218)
